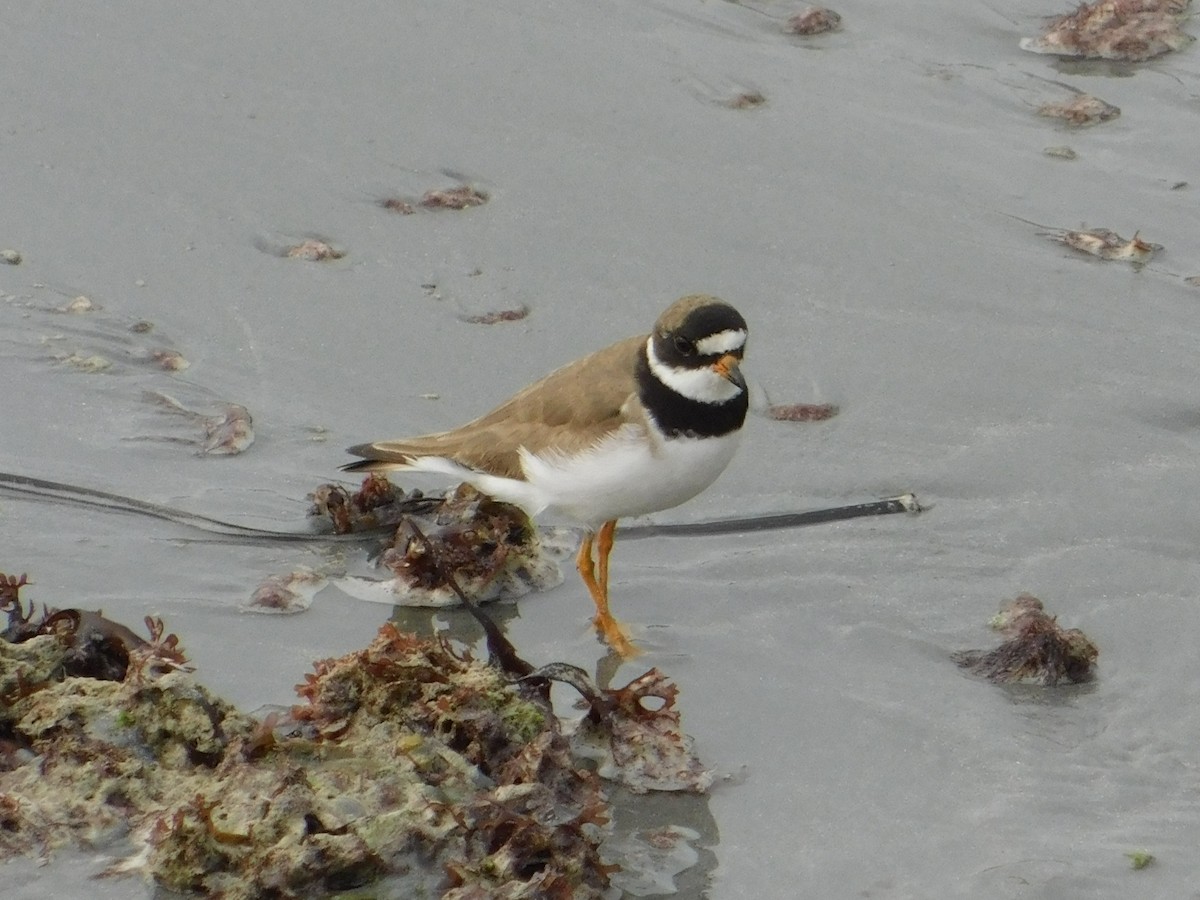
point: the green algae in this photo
(403, 758)
(408, 760)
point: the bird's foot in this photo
(616, 636)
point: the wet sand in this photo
(871, 219)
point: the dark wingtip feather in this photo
(368, 463)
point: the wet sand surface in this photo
(873, 220)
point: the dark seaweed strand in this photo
(59, 492)
(500, 648)
(76, 495)
(773, 522)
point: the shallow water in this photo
(1043, 401)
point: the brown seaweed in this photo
(408, 758)
(314, 250)
(1081, 111)
(377, 503)
(802, 412)
(464, 543)
(226, 433)
(813, 20)
(92, 646)
(1126, 30)
(1037, 650)
(461, 196)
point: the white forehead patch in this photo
(702, 384)
(722, 342)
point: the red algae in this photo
(1124, 30)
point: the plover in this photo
(634, 428)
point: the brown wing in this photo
(568, 410)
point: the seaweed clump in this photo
(1082, 111)
(487, 547)
(1126, 30)
(406, 760)
(1108, 244)
(813, 20)
(376, 504)
(1037, 651)
(634, 733)
(463, 542)
(458, 197)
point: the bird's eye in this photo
(684, 346)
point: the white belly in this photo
(627, 475)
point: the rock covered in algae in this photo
(405, 759)
(1037, 650)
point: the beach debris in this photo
(90, 338)
(461, 196)
(813, 20)
(1139, 859)
(377, 503)
(1082, 111)
(408, 757)
(1061, 152)
(397, 205)
(1125, 30)
(314, 250)
(1193, 280)
(635, 736)
(93, 363)
(80, 304)
(10, 257)
(1108, 244)
(490, 549)
(10, 589)
(730, 93)
(802, 412)
(1037, 650)
(494, 317)
(169, 360)
(745, 100)
(226, 433)
(307, 247)
(1100, 242)
(286, 594)
(87, 644)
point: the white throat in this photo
(702, 385)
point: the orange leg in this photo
(583, 562)
(610, 629)
(604, 545)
